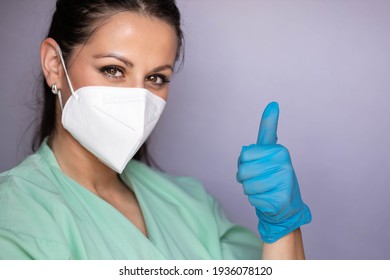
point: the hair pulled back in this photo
(74, 21)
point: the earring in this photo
(54, 88)
(58, 92)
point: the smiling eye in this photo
(157, 81)
(112, 71)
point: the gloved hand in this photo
(268, 178)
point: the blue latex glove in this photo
(268, 178)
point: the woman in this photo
(107, 66)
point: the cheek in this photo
(65, 90)
(164, 93)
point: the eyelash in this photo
(164, 79)
(106, 69)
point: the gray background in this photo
(327, 63)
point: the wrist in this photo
(271, 230)
(289, 247)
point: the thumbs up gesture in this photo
(268, 178)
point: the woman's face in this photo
(127, 50)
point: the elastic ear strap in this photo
(60, 99)
(66, 72)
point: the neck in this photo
(80, 165)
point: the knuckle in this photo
(253, 200)
(247, 187)
(241, 173)
(288, 169)
(283, 153)
(246, 152)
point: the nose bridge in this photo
(137, 80)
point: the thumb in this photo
(269, 125)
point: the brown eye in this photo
(154, 79)
(157, 81)
(112, 72)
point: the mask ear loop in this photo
(66, 73)
(60, 98)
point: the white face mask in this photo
(111, 122)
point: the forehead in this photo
(135, 36)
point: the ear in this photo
(51, 63)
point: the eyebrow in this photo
(129, 64)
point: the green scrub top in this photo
(46, 215)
